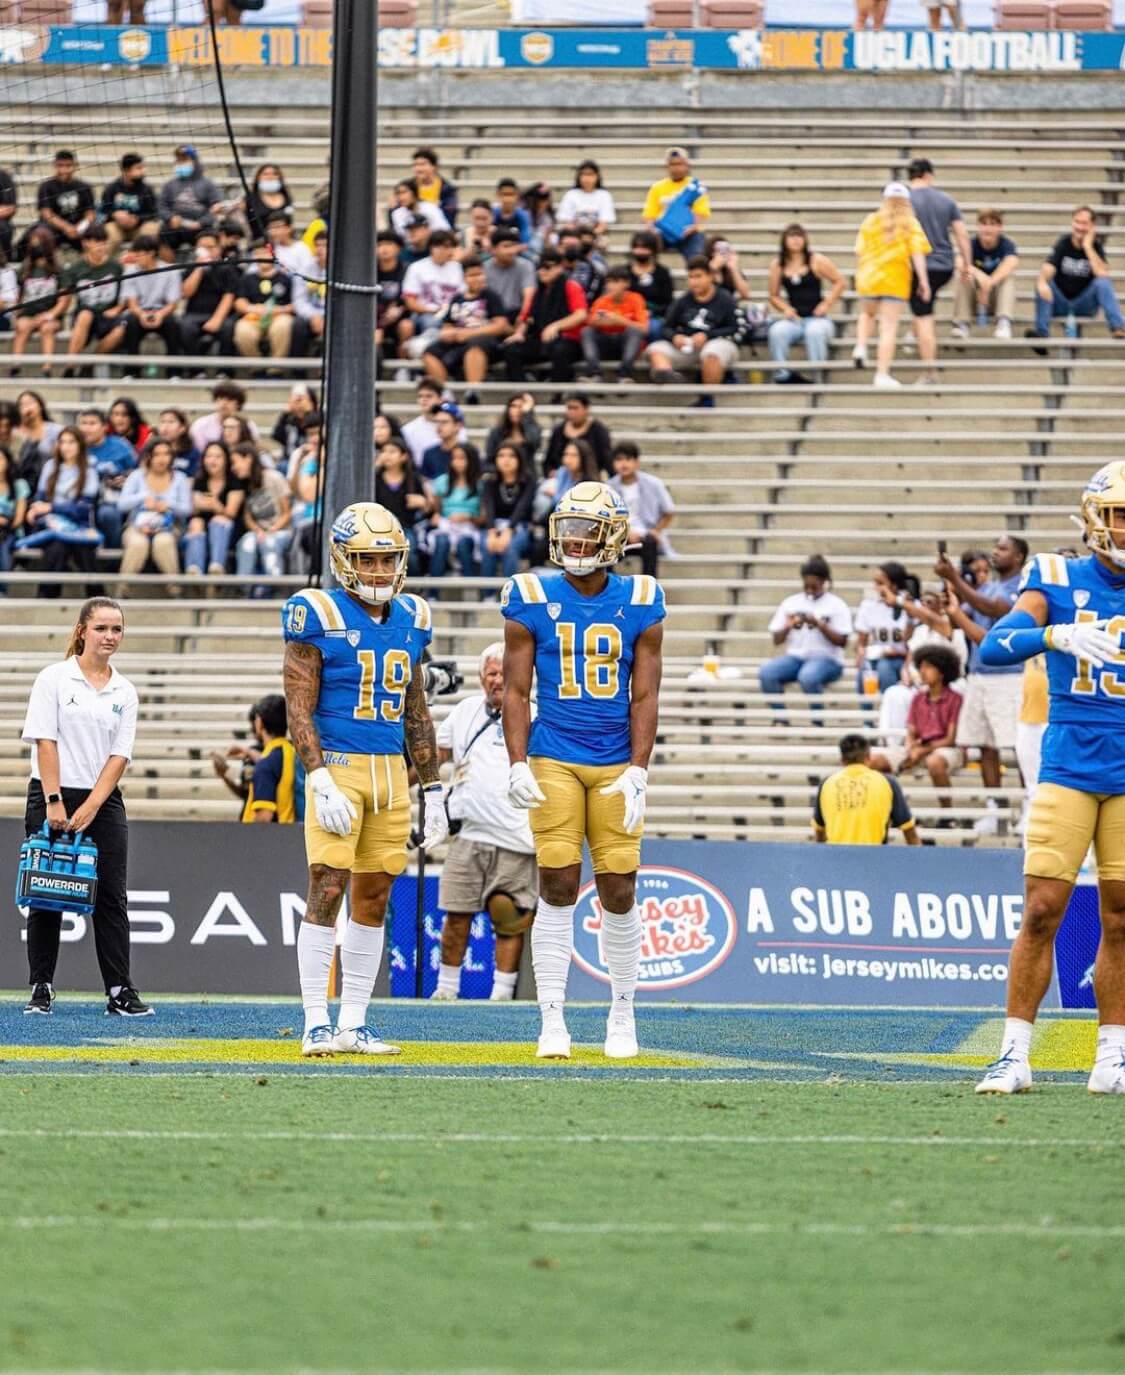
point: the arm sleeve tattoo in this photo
(302, 689)
(421, 741)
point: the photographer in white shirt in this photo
(490, 865)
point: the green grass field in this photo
(162, 1219)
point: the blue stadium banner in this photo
(749, 50)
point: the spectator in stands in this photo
(456, 517)
(475, 240)
(939, 217)
(509, 273)
(430, 285)
(61, 517)
(578, 464)
(883, 629)
(723, 262)
(889, 244)
(310, 302)
(188, 202)
(698, 328)
(469, 334)
(578, 422)
(385, 427)
(126, 420)
(537, 202)
(421, 433)
(229, 399)
(617, 327)
(151, 298)
(272, 794)
(431, 187)
(393, 326)
(312, 434)
(236, 430)
(651, 508)
(40, 278)
(449, 424)
(1075, 279)
(588, 203)
(796, 288)
(506, 502)
(950, 7)
(304, 483)
(288, 428)
(417, 245)
(507, 213)
(294, 255)
(518, 425)
(9, 203)
(813, 626)
(550, 327)
(268, 193)
(9, 292)
(37, 436)
(992, 696)
(264, 308)
(992, 288)
(14, 496)
(857, 805)
(873, 11)
(172, 425)
(217, 499)
(208, 288)
(128, 204)
(112, 459)
(66, 202)
(399, 487)
(582, 262)
(932, 625)
(678, 207)
(157, 502)
(266, 517)
(407, 210)
(232, 241)
(93, 282)
(931, 724)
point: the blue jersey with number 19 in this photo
(583, 660)
(367, 664)
(1084, 747)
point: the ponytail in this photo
(77, 641)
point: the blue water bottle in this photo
(1071, 326)
(85, 857)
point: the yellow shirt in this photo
(431, 193)
(884, 264)
(662, 193)
(271, 788)
(857, 806)
(308, 238)
(1033, 705)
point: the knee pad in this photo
(507, 919)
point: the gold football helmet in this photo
(593, 516)
(362, 528)
(1103, 511)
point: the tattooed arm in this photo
(301, 677)
(420, 738)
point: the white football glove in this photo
(436, 826)
(523, 791)
(633, 785)
(334, 812)
(1088, 641)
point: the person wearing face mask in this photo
(268, 193)
(649, 277)
(188, 202)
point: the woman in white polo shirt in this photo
(81, 721)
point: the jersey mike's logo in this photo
(687, 928)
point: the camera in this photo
(440, 677)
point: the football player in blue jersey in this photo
(1074, 611)
(354, 689)
(593, 640)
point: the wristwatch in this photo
(52, 798)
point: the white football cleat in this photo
(1006, 1075)
(361, 1040)
(1108, 1077)
(317, 1041)
(554, 1039)
(621, 1032)
(442, 995)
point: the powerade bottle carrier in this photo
(59, 873)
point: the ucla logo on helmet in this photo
(687, 928)
(345, 527)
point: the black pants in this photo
(58, 556)
(110, 833)
(562, 354)
(648, 553)
(169, 331)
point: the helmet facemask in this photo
(587, 537)
(1100, 520)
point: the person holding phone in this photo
(81, 722)
(813, 625)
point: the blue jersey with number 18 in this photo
(583, 660)
(367, 665)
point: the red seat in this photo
(733, 14)
(671, 14)
(398, 14)
(1022, 14)
(316, 14)
(1084, 14)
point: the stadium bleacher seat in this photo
(733, 14)
(1083, 14)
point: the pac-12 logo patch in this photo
(687, 928)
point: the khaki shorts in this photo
(473, 871)
(376, 786)
(990, 711)
(575, 810)
(1061, 827)
(725, 350)
(895, 754)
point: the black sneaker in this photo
(128, 1004)
(42, 1000)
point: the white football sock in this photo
(621, 944)
(552, 941)
(1111, 1043)
(1017, 1038)
(315, 946)
(449, 978)
(503, 986)
(361, 955)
